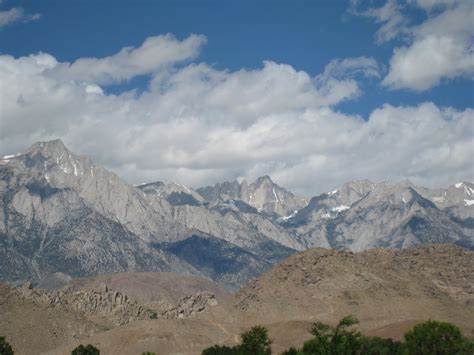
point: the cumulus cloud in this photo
(199, 125)
(16, 14)
(152, 56)
(439, 48)
(422, 65)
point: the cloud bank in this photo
(198, 125)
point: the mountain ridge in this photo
(62, 213)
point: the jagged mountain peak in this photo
(47, 149)
(54, 147)
(265, 179)
(263, 194)
(53, 162)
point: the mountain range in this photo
(64, 216)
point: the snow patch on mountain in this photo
(340, 208)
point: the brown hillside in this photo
(379, 287)
(388, 291)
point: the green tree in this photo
(329, 340)
(380, 346)
(290, 351)
(438, 338)
(221, 350)
(85, 350)
(256, 342)
(341, 340)
(5, 348)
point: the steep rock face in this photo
(175, 194)
(263, 194)
(61, 213)
(363, 215)
(225, 262)
(457, 201)
(84, 243)
(37, 176)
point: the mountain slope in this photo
(61, 213)
(64, 216)
(378, 286)
(362, 215)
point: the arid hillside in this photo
(378, 286)
(389, 291)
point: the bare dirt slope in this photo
(378, 286)
(32, 328)
(388, 291)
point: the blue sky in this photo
(306, 34)
(238, 37)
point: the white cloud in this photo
(422, 65)
(153, 55)
(429, 5)
(16, 14)
(199, 125)
(350, 68)
(439, 48)
(389, 16)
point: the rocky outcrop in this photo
(111, 305)
(188, 307)
(116, 307)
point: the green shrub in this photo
(256, 341)
(429, 338)
(5, 348)
(439, 338)
(85, 350)
(380, 346)
(221, 350)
